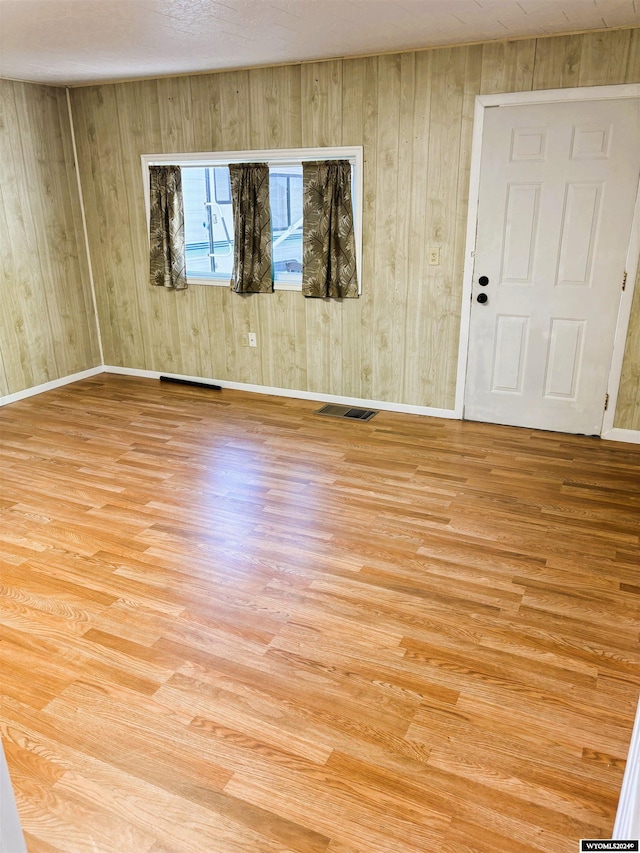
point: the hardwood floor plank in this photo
(465, 836)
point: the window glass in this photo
(285, 195)
(208, 221)
(222, 184)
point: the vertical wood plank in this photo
(507, 66)
(628, 405)
(440, 329)
(75, 227)
(174, 107)
(403, 267)
(557, 62)
(632, 74)
(628, 408)
(85, 105)
(62, 285)
(234, 111)
(16, 363)
(240, 316)
(214, 302)
(8, 344)
(418, 297)
(32, 111)
(141, 134)
(206, 120)
(110, 229)
(117, 241)
(11, 321)
(275, 113)
(386, 215)
(233, 330)
(369, 225)
(283, 341)
(4, 383)
(321, 91)
(604, 58)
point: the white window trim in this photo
(273, 157)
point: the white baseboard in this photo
(631, 436)
(627, 825)
(289, 392)
(49, 386)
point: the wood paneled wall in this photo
(413, 114)
(628, 407)
(47, 322)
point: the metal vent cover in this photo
(348, 412)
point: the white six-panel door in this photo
(557, 191)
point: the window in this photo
(208, 211)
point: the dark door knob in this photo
(483, 281)
(482, 298)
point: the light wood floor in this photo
(227, 624)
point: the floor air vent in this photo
(348, 412)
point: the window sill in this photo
(279, 285)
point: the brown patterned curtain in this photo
(328, 243)
(252, 271)
(166, 228)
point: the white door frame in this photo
(547, 96)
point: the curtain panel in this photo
(167, 262)
(328, 242)
(252, 272)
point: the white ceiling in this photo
(72, 42)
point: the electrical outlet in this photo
(244, 340)
(253, 339)
(434, 256)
